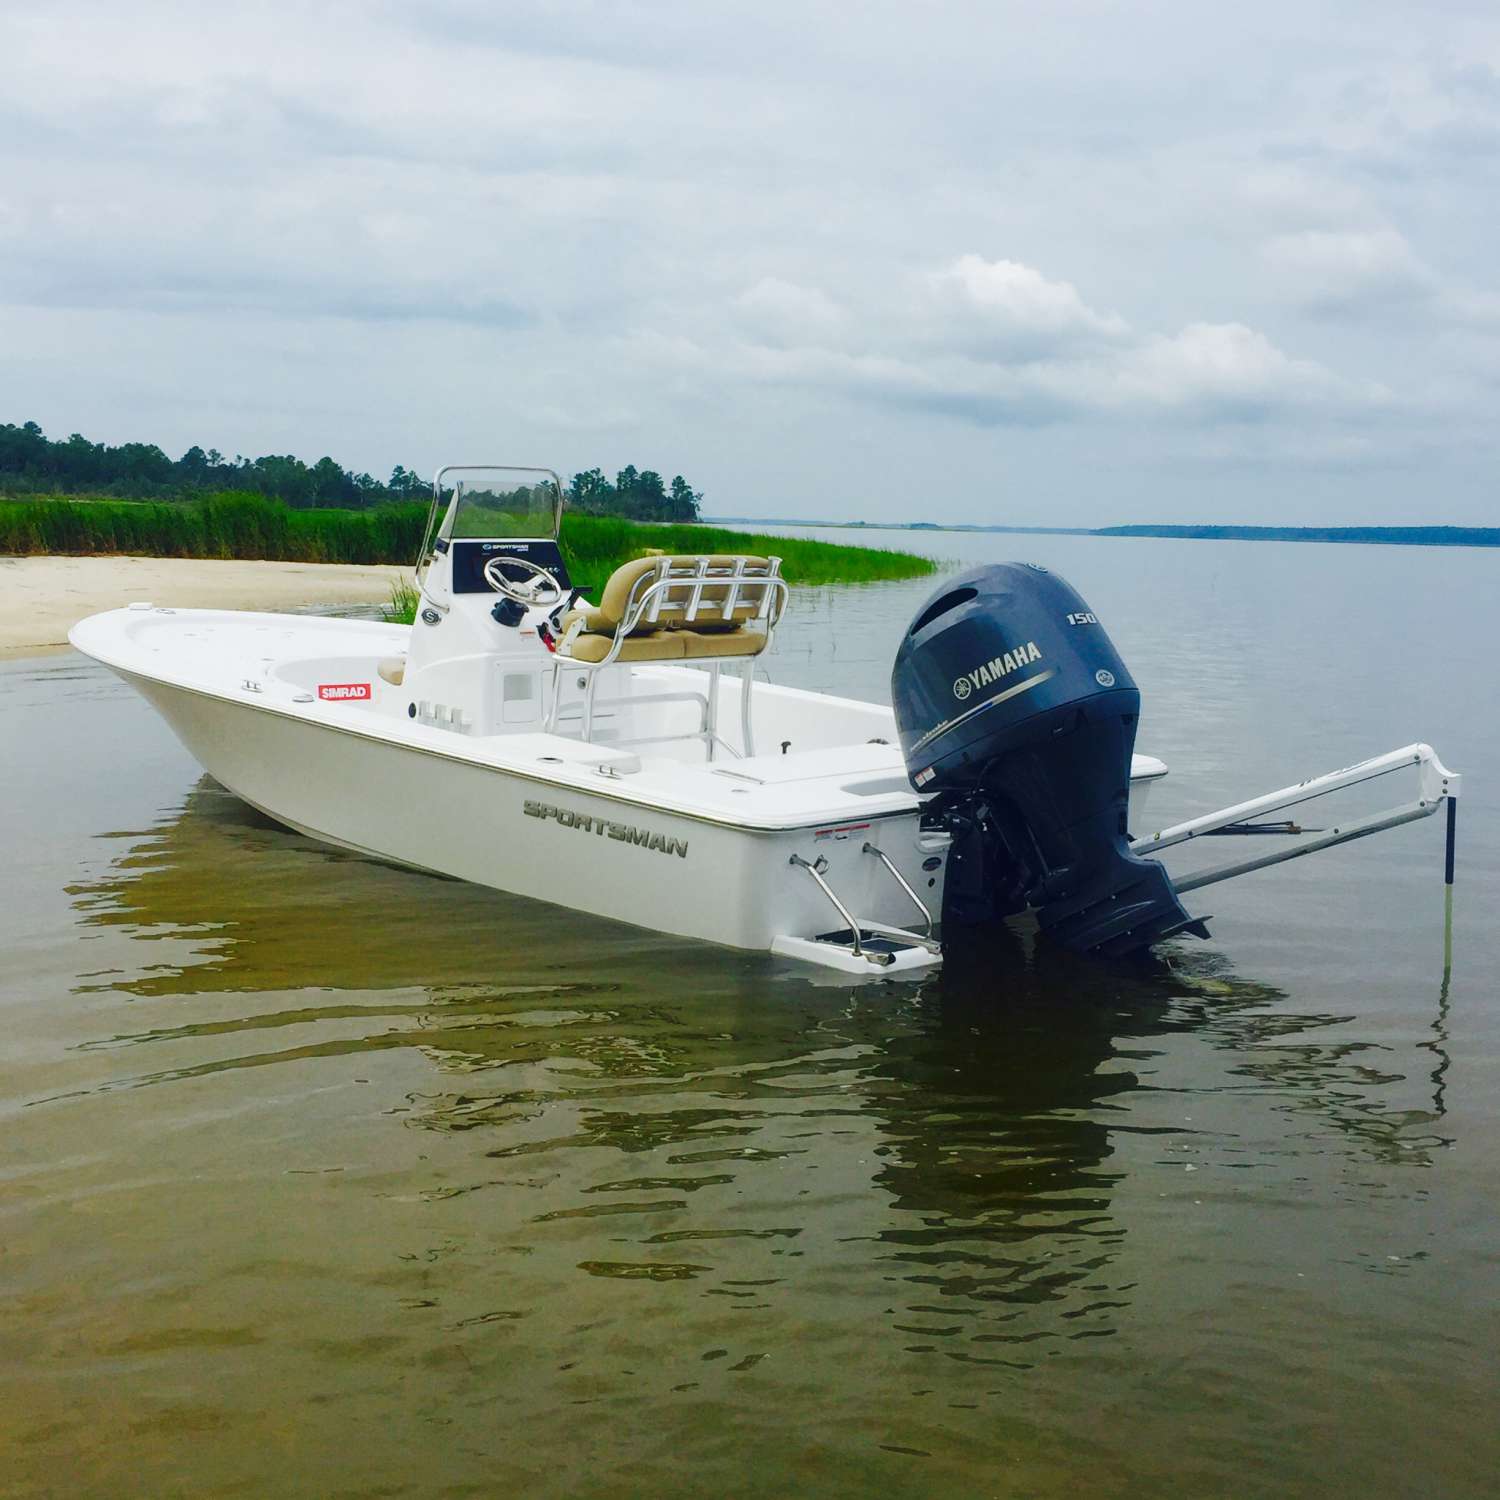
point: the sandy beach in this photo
(41, 597)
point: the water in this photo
(323, 1178)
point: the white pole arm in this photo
(1435, 782)
(1356, 828)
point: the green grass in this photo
(224, 525)
(250, 526)
(402, 610)
(594, 546)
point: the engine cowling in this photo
(1017, 718)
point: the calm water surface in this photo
(322, 1178)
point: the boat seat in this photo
(702, 604)
(392, 669)
(677, 644)
(594, 646)
(704, 645)
(709, 608)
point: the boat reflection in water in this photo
(956, 1159)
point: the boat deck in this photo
(842, 763)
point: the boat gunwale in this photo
(607, 794)
(293, 713)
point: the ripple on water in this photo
(325, 1177)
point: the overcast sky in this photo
(1063, 262)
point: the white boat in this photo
(592, 755)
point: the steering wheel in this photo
(540, 590)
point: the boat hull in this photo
(299, 718)
(592, 853)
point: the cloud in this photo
(1479, 311)
(1371, 271)
(1235, 371)
(1002, 304)
(1286, 197)
(1026, 350)
(781, 313)
(1338, 269)
(753, 240)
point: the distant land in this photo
(1389, 536)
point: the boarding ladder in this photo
(863, 943)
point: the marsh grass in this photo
(232, 524)
(241, 525)
(594, 546)
(402, 609)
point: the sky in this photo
(1076, 263)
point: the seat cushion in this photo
(669, 645)
(660, 645)
(672, 603)
(616, 595)
(587, 615)
(708, 644)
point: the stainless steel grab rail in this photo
(901, 880)
(815, 869)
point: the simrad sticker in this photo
(624, 833)
(344, 692)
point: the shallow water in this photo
(323, 1178)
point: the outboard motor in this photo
(1018, 721)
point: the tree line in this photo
(636, 494)
(32, 463)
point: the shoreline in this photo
(1353, 536)
(41, 597)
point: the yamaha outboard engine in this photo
(1017, 721)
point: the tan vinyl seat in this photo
(662, 645)
(662, 630)
(615, 599)
(706, 644)
(678, 644)
(710, 609)
(392, 669)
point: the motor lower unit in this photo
(1018, 720)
